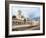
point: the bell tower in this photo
(18, 16)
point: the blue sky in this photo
(27, 11)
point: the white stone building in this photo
(19, 15)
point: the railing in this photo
(19, 22)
